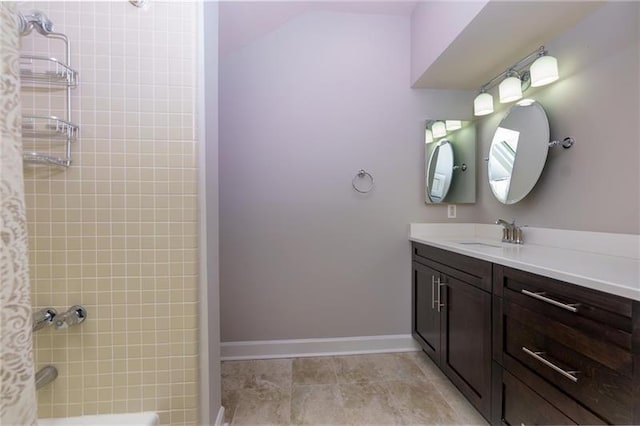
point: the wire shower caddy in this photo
(48, 73)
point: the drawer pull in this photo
(573, 307)
(537, 356)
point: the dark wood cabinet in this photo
(573, 345)
(522, 406)
(452, 319)
(466, 341)
(527, 349)
(426, 316)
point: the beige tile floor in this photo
(382, 389)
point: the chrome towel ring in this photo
(356, 182)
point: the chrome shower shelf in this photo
(51, 131)
(47, 132)
(45, 71)
(44, 159)
(48, 127)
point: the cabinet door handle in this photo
(433, 292)
(573, 307)
(440, 285)
(538, 357)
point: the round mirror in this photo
(439, 171)
(518, 152)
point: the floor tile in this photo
(357, 369)
(368, 403)
(249, 374)
(402, 388)
(428, 367)
(263, 405)
(316, 404)
(276, 372)
(398, 366)
(229, 402)
(236, 374)
(419, 402)
(464, 412)
(314, 371)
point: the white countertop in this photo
(600, 261)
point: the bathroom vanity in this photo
(535, 334)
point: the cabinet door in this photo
(466, 341)
(426, 315)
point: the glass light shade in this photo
(452, 125)
(510, 89)
(544, 71)
(483, 104)
(428, 136)
(526, 102)
(438, 129)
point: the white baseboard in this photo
(265, 349)
(220, 417)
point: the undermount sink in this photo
(479, 243)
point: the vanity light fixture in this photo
(438, 129)
(544, 71)
(483, 104)
(510, 89)
(516, 79)
(525, 102)
(452, 125)
(428, 136)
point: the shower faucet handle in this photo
(42, 318)
(74, 315)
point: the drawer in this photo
(588, 312)
(522, 406)
(589, 345)
(604, 390)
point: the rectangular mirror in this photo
(450, 162)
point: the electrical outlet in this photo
(451, 211)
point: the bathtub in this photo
(127, 419)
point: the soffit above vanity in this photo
(486, 41)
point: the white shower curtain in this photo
(17, 386)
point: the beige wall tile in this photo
(110, 232)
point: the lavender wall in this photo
(302, 109)
(594, 186)
(435, 25)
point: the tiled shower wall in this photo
(116, 231)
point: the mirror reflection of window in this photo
(437, 186)
(525, 131)
(503, 155)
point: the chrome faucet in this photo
(74, 315)
(46, 375)
(43, 318)
(511, 233)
